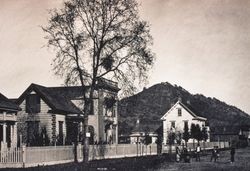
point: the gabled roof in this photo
(7, 104)
(187, 107)
(57, 98)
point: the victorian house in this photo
(179, 115)
(8, 118)
(54, 115)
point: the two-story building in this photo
(179, 115)
(8, 129)
(54, 115)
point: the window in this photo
(33, 103)
(60, 138)
(185, 124)
(172, 124)
(179, 111)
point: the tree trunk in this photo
(204, 148)
(88, 109)
(193, 144)
(86, 140)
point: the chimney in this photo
(179, 99)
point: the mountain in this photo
(152, 103)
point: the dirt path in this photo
(242, 163)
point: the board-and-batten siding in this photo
(44, 118)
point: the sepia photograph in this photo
(112, 85)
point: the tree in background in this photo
(98, 39)
(193, 133)
(159, 140)
(147, 140)
(199, 135)
(186, 134)
(196, 133)
(171, 141)
(204, 135)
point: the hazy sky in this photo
(201, 45)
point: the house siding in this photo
(44, 118)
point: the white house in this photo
(177, 116)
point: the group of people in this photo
(186, 156)
(215, 154)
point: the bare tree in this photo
(97, 39)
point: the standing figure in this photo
(214, 155)
(186, 155)
(198, 150)
(178, 154)
(232, 152)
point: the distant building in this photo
(179, 115)
(54, 115)
(8, 126)
(138, 134)
(234, 134)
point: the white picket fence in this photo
(192, 146)
(11, 156)
(50, 155)
(97, 152)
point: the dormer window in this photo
(179, 111)
(33, 104)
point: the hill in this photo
(152, 103)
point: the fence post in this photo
(23, 148)
(116, 149)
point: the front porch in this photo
(8, 130)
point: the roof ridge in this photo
(34, 84)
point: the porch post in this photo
(15, 134)
(11, 135)
(4, 133)
(116, 134)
